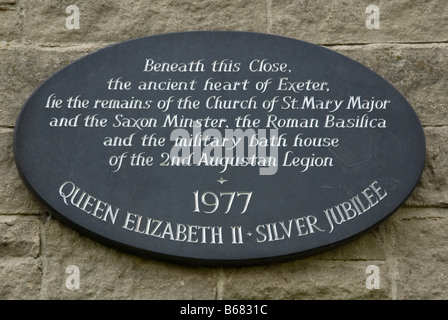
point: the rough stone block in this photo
(432, 189)
(14, 196)
(105, 273)
(370, 246)
(307, 280)
(421, 254)
(342, 21)
(113, 21)
(23, 70)
(20, 279)
(10, 22)
(19, 236)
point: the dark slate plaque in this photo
(219, 148)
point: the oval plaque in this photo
(219, 148)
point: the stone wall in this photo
(408, 251)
